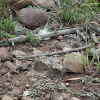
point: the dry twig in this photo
(53, 53)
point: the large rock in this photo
(73, 63)
(33, 17)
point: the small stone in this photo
(3, 50)
(4, 71)
(17, 62)
(47, 96)
(37, 98)
(27, 86)
(24, 66)
(60, 37)
(63, 85)
(7, 84)
(15, 98)
(56, 96)
(67, 84)
(65, 96)
(36, 51)
(46, 3)
(74, 98)
(5, 57)
(55, 26)
(17, 83)
(26, 98)
(49, 80)
(5, 97)
(10, 66)
(8, 74)
(62, 44)
(18, 53)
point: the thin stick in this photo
(53, 53)
(94, 28)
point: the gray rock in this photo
(49, 63)
(25, 66)
(33, 17)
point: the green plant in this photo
(6, 27)
(7, 24)
(77, 12)
(1, 4)
(88, 64)
(4, 43)
(31, 37)
(85, 59)
(88, 12)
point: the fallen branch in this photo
(55, 33)
(18, 39)
(96, 94)
(23, 38)
(53, 53)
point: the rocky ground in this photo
(37, 70)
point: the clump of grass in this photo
(7, 27)
(5, 9)
(32, 38)
(6, 20)
(7, 24)
(1, 4)
(87, 10)
(42, 86)
(77, 12)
